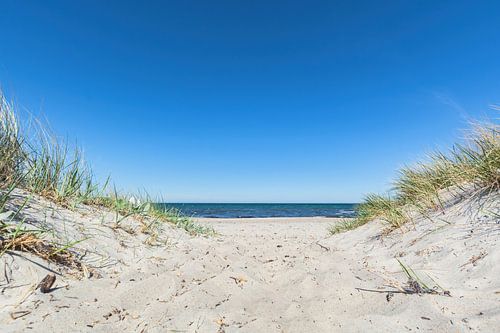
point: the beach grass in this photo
(15, 235)
(473, 164)
(11, 143)
(468, 169)
(42, 164)
(143, 206)
(57, 173)
(344, 225)
(180, 220)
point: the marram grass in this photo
(44, 165)
(144, 206)
(11, 142)
(344, 225)
(475, 163)
(471, 168)
(54, 172)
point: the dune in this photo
(258, 275)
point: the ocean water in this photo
(247, 210)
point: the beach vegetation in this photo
(344, 225)
(42, 164)
(471, 168)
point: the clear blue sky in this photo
(253, 101)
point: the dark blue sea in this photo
(247, 210)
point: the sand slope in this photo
(261, 275)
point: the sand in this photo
(260, 275)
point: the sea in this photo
(249, 210)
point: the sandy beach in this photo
(259, 275)
(250, 167)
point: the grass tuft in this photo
(475, 163)
(44, 165)
(471, 168)
(147, 210)
(11, 142)
(54, 172)
(176, 217)
(344, 225)
(382, 207)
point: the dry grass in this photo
(15, 236)
(32, 242)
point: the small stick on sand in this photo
(19, 314)
(47, 283)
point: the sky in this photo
(252, 101)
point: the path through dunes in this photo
(270, 275)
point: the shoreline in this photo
(269, 218)
(263, 210)
(215, 220)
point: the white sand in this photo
(262, 275)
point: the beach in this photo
(260, 275)
(249, 167)
(78, 256)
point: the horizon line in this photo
(265, 203)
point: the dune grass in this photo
(11, 143)
(176, 217)
(475, 163)
(468, 169)
(344, 225)
(52, 171)
(143, 206)
(16, 236)
(40, 163)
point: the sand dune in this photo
(260, 275)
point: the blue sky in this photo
(256, 101)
